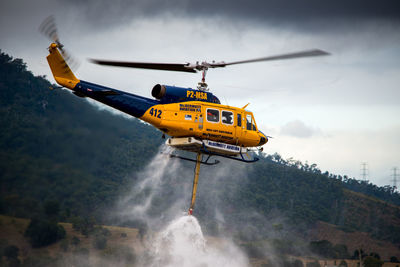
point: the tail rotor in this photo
(49, 29)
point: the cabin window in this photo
(212, 115)
(227, 117)
(250, 125)
(239, 120)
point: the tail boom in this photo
(129, 103)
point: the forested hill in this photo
(56, 147)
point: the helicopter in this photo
(194, 118)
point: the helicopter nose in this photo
(263, 139)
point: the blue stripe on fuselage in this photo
(129, 103)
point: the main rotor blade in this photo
(308, 53)
(145, 65)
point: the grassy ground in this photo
(123, 246)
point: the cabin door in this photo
(200, 121)
(239, 126)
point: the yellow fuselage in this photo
(192, 118)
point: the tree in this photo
(375, 255)
(11, 252)
(394, 259)
(323, 248)
(84, 225)
(52, 207)
(359, 253)
(370, 261)
(43, 232)
(313, 264)
(341, 251)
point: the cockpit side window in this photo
(239, 120)
(212, 115)
(248, 122)
(250, 125)
(227, 117)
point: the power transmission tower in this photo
(394, 175)
(364, 171)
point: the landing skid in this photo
(241, 158)
(193, 160)
(210, 154)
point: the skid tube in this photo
(242, 159)
(193, 160)
(204, 150)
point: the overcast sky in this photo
(336, 111)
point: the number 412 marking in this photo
(155, 112)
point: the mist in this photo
(216, 235)
(158, 202)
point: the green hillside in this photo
(56, 147)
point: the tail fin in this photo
(60, 69)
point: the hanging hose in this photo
(195, 182)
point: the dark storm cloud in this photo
(100, 15)
(291, 10)
(271, 11)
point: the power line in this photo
(394, 175)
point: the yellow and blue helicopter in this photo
(195, 119)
